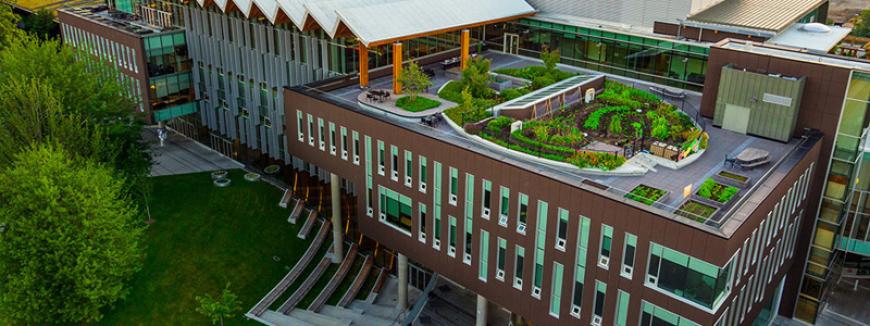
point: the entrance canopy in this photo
(378, 22)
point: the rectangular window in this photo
(500, 258)
(504, 203)
(310, 130)
(436, 205)
(355, 147)
(522, 213)
(421, 229)
(409, 168)
(484, 256)
(562, 229)
(605, 245)
(622, 299)
(422, 176)
(518, 267)
(381, 158)
(368, 194)
(580, 265)
(321, 134)
(454, 186)
(486, 199)
(556, 289)
(394, 163)
(540, 240)
(344, 143)
(469, 218)
(598, 306)
(628, 255)
(688, 278)
(332, 142)
(395, 210)
(652, 315)
(299, 133)
(451, 244)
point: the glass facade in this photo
(843, 199)
(662, 61)
(652, 315)
(169, 70)
(688, 277)
(396, 209)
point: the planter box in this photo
(732, 179)
(697, 211)
(713, 202)
(500, 84)
(657, 203)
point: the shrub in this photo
(615, 127)
(542, 81)
(497, 125)
(594, 119)
(600, 160)
(518, 136)
(712, 190)
(661, 130)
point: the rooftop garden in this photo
(597, 135)
(717, 192)
(414, 81)
(646, 194)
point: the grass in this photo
(318, 286)
(419, 105)
(645, 194)
(347, 282)
(204, 237)
(696, 210)
(368, 285)
(324, 248)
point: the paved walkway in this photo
(181, 155)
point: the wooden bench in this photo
(309, 224)
(358, 283)
(379, 283)
(285, 199)
(336, 279)
(306, 286)
(297, 210)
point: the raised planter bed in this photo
(222, 182)
(252, 177)
(221, 174)
(648, 195)
(696, 210)
(716, 194)
(732, 179)
(272, 169)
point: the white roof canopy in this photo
(376, 22)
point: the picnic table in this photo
(752, 157)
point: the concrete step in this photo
(357, 318)
(278, 319)
(318, 319)
(376, 310)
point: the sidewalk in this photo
(181, 155)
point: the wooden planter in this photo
(698, 218)
(658, 202)
(732, 178)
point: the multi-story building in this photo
(278, 82)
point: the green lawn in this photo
(204, 237)
(418, 105)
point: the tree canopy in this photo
(71, 239)
(216, 309)
(414, 80)
(476, 78)
(862, 25)
(9, 30)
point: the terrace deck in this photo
(722, 143)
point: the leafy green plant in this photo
(638, 129)
(713, 190)
(499, 124)
(514, 93)
(550, 59)
(593, 121)
(413, 81)
(645, 194)
(660, 129)
(615, 127)
(416, 105)
(600, 160)
(476, 78)
(519, 136)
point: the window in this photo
(469, 207)
(522, 213)
(299, 133)
(344, 143)
(409, 168)
(686, 277)
(381, 157)
(310, 130)
(580, 265)
(562, 229)
(504, 202)
(540, 240)
(628, 255)
(605, 244)
(451, 244)
(454, 186)
(421, 229)
(598, 306)
(394, 163)
(321, 134)
(518, 268)
(369, 210)
(652, 315)
(499, 259)
(484, 256)
(395, 210)
(356, 148)
(622, 299)
(422, 176)
(436, 204)
(556, 289)
(486, 199)
(332, 142)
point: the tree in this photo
(550, 59)
(9, 31)
(71, 240)
(41, 24)
(862, 26)
(476, 78)
(225, 306)
(86, 88)
(413, 80)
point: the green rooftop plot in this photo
(204, 237)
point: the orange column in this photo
(464, 40)
(363, 66)
(397, 67)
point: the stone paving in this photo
(182, 155)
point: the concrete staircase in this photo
(356, 317)
(318, 319)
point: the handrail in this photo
(421, 302)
